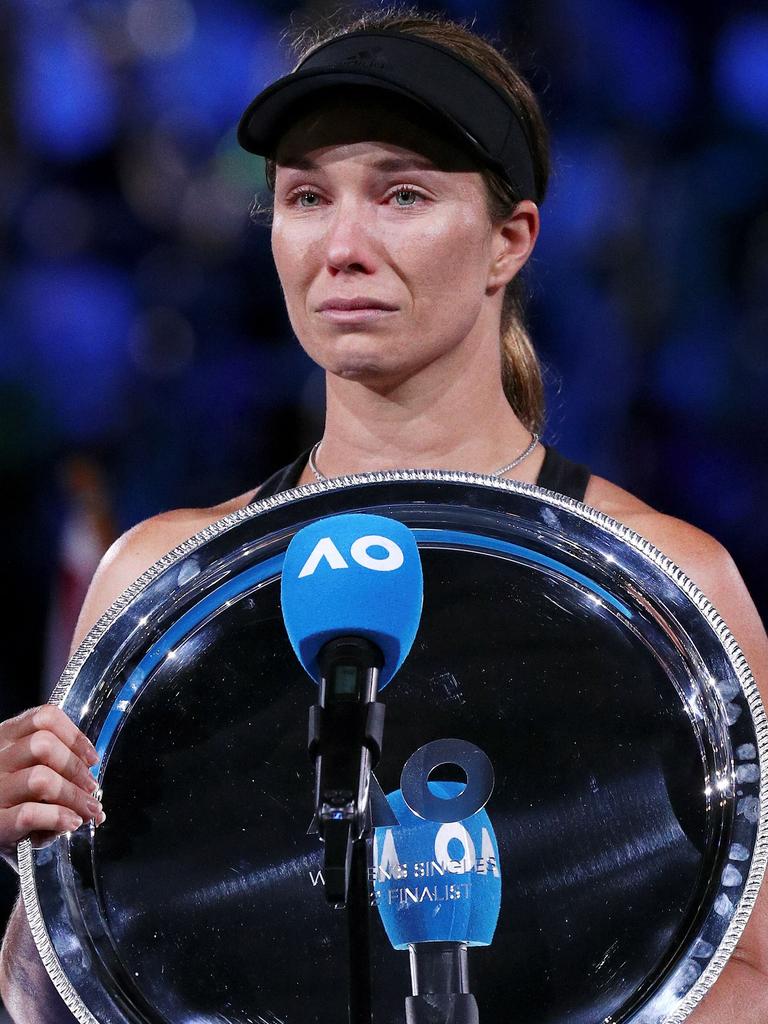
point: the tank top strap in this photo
(563, 476)
(557, 473)
(283, 480)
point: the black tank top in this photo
(557, 473)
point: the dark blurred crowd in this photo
(146, 360)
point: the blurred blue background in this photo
(146, 361)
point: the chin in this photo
(362, 362)
(377, 362)
(363, 370)
(368, 372)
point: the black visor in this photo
(433, 77)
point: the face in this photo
(382, 241)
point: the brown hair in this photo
(521, 371)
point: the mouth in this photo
(362, 309)
(364, 315)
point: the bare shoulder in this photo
(702, 558)
(700, 555)
(139, 548)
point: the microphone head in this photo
(352, 575)
(437, 882)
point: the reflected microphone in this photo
(438, 891)
(351, 594)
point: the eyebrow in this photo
(385, 164)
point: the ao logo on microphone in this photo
(360, 552)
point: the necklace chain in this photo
(504, 469)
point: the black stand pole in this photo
(358, 930)
(345, 737)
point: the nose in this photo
(349, 246)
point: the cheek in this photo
(292, 255)
(449, 263)
(291, 268)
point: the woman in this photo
(408, 161)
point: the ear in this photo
(512, 242)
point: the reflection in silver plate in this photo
(626, 734)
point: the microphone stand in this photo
(345, 738)
(359, 936)
(440, 983)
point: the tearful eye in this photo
(410, 196)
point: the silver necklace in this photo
(498, 472)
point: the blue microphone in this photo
(351, 595)
(438, 890)
(352, 575)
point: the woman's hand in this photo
(46, 787)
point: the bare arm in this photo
(27, 991)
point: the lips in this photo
(359, 302)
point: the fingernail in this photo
(73, 824)
(93, 806)
(102, 819)
(91, 756)
(90, 784)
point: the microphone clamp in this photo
(345, 741)
(440, 983)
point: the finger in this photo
(17, 823)
(42, 839)
(45, 748)
(41, 784)
(48, 718)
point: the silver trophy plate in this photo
(627, 739)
